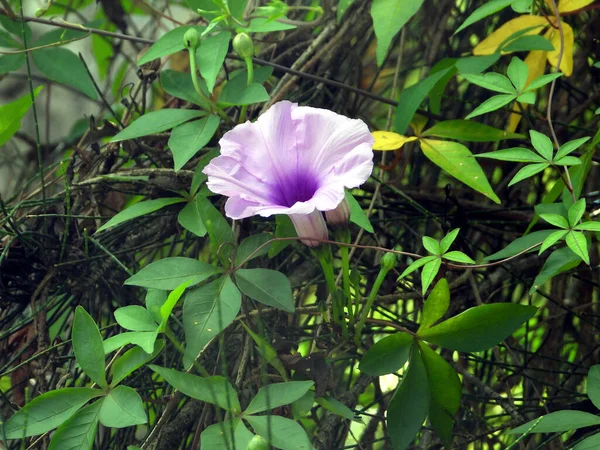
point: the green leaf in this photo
(520, 244)
(266, 286)
(458, 257)
(467, 130)
(46, 412)
(210, 56)
(7, 41)
(358, 215)
(431, 245)
(569, 147)
(559, 261)
(387, 355)
(447, 240)
(207, 310)
(170, 42)
(389, 16)
(577, 243)
(478, 328)
(140, 209)
(233, 94)
(249, 248)
(337, 407)
(593, 385)
(518, 71)
(543, 80)
(458, 161)
(219, 230)
(267, 351)
(436, 93)
(491, 104)
(542, 144)
(167, 307)
(156, 122)
(487, 9)
(436, 305)
(476, 64)
(63, 66)
(412, 97)
(528, 43)
(284, 228)
(169, 273)
(528, 171)
(79, 431)
(516, 154)
(132, 360)
(527, 97)
(122, 408)
(559, 422)
(180, 85)
(218, 436)
(567, 161)
(492, 81)
(187, 139)
(143, 339)
(556, 220)
(12, 113)
(190, 219)
(552, 239)
(15, 27)
(576, 212)
(265, 25)
(588, 226)
(409, 406)
(135, 318)
(88, 347)
(199, 178)
(445, 388)
(215, 390)
(430, 270)
(417, 264)
(589, 443)
(278, 394)
(285, 434)
(11, 63)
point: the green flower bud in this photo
(191, 40)
(388, 262)
(258, 443)
(243, 45)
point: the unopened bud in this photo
(191, 40)
(243, 45)
(388, 261)
(258, 443)
(339, 216)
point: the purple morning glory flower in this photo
(293, 160)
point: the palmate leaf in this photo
(492, 104)
(542, 144)
(458, 257)
(416, 265)
(516, 154)
(559, 261)
(576, 212)
(527, 97)
(431, 245)
(558, 422)
(391, 353)
(578, 244)
(543, 80)
(552, 239)
(570, 146)
(483, 11)
(528, 171)
(588, 226)
(447, 240)
(468, 130)
(555, 219)
(568, 161)
(430, 270)
(435, 306)
(517, 72)
(493, 81)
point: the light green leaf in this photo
(215, 390)
(516, 154)
(88, 347)
(140, 209)
(576, 212)
(266, 286)
(458, 161)
(518, 71)
(458, 257)
(63, 66)
(559, 422)
(478, 328)
(431, 245)
(588, 226)
(388, 355)
(577, 243)
(169, 273)
(277, 394)
(285, 434)
(436, 305)
(79, 431)
(430, 270)
(135, 318)
(416, 264)
(491, 104)
(12, 113)
(543, 80)
(559, 261)
(132, 360)
(358, 215)
(556, 220)
(218, 436)
(207, 310)
(143, 339)
(167, 307)
(409, 406)
(170, 42)
(448, 240)
(527, 97)
(542, 144)
(567, 161)
(232, 94)
(528, 171)
(487, 9)
(122, 408)
(180, 85)
(467, 130)
(46, 412)
(570, 146)
(156, 122)
(593, 385)
(389, 16)
(210, 56)
(187, 139)
(493, 81)
(190, 219)
(552, 239)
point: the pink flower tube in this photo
(293, 160)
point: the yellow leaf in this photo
(565, 6)
(536, 62)
(491, 43)
(566, 63)
(387, 140)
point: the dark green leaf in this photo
(249, 248)
(235, 94)
(210, 56)
(467, 130)
(11, 63)
(285, 228)
(190, 219)
(122, 408)
(169, 43)
(528, 43)
(140, 209)
(88, 347)
(589, 443)
(63, 66)
(156, 122)
(478, 328)
(559, 261)
(266, 286)
(169, 273)
(520, 244)
(277, 394)
(180, 85)
(219, 230)
(337, 407)
(387, 355)
(436, 305)
(593, 385)
(357, 214)
(187, 139)
(12, 113)
(79, 431)
(15, 27)
(132, 360)
(476, 64)
(559, 422)
(285, 434)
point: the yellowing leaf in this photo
(491, 43)
(566, 63)
(536, 62)
(572, 5)
(418, 123)
(387, 140)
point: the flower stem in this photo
(250, 69)
(365, 311)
